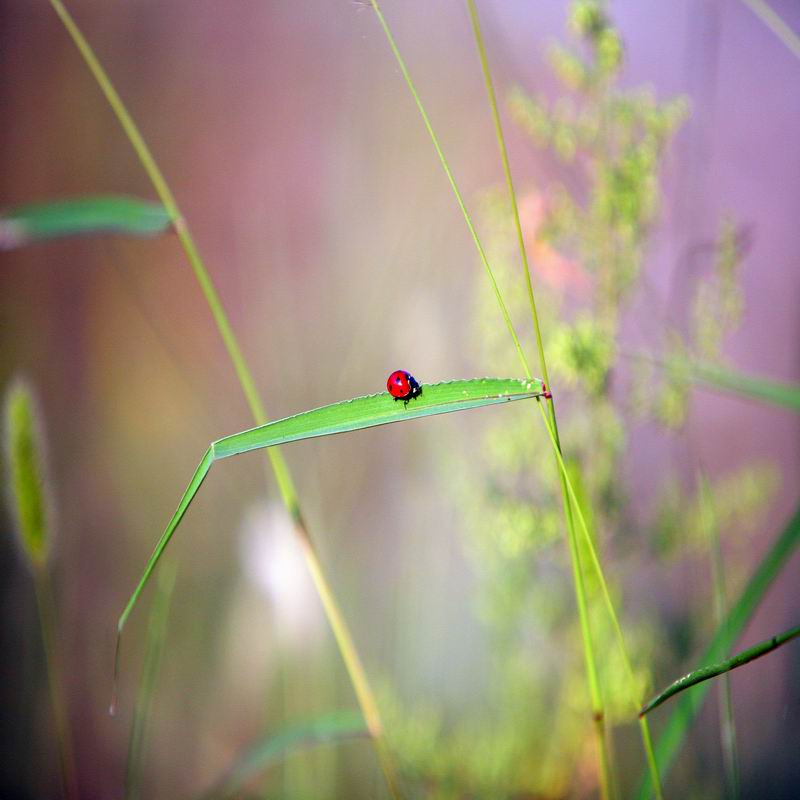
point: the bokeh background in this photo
(314, 194)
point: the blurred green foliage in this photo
(586, 237)
(27, 493)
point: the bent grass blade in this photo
(687, 708)
(347, 415)
(706, 673)
(81, 216)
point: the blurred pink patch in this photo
(557, 271)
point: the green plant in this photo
(587, 238)
(29, 497)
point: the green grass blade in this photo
(379, 409)
(335, 727)
(82, 216)
(344, 639)
(712, 671)
(348, 415)
(779, 394)
(726, 634)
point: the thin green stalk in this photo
(453, 185)
(596, 698)
(688, 706)
(706, 673)
(167, 199)
(598, 715)
(286, 486)
(609, 603)
(47, 625)
(726, 719)
(501, 143)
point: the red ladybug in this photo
(403, 386)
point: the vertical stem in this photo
(580, 594)
(636, 701)
(453, 185)
(473, 11)
(596, 698)
(598, 715)
(47, 624)
(501, 143)
(352, 661)
(280, 468)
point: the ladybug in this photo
(403, 386)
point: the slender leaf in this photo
(83, 216)
(379, 409)
(347, 415)
(727, 633)
(726, 380)
(336, 727)
(706, 673)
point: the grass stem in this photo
(280, 469)
(606, 761)
(609, 603)
(453, 185)
(594, 689)
(501, 143)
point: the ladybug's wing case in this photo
(398, 384)
(403, 385)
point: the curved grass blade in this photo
(83, 216)
(687, 708)
(706, 673)
(379, 409)
(347, 415)
(336, 727)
